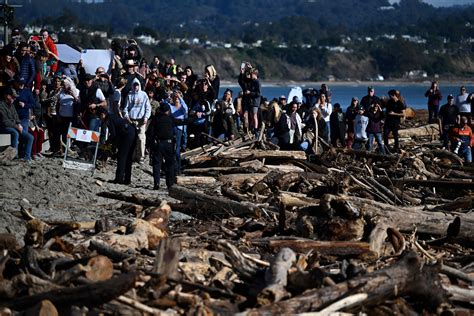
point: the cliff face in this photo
(340, 66)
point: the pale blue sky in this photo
(448, 2)
(444, 3)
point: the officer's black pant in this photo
(126, 144)
(164, 150)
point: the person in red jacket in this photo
(48, 41)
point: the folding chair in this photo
(86, 136)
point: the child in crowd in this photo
(338, 126)
(360, 134)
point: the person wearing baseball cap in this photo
(282, 102)
(369, 99)
(448, 116)
(10, 123)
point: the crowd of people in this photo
(160, 109)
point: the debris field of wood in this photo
(262, 232)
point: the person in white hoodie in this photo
(326, 109)
(360, 126)
(137, 111)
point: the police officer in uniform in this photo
(162, 139)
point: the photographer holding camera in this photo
(374, 129)
(462, 139)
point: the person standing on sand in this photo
(326, 109)
(325, 90)
(123, 134)
(434, 97)
(463, 104)
(361, 122)
(338, 126)
(161, 139)
(351, 113)
(251, 88)
(448, 116)
(137, 111)
(394, 111)
(374, 129)
(369, 99)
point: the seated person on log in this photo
(462, 140)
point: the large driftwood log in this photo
(260, 154)
(213, 204)
(198, 151)
(431, 130)
(277, 277)
(439, 183)
(285, 168)
(290, 199)
(237, 180)
(407, 277)
(220, 170)
(406, 219)
(134, 198)
(106, 250)
(441, 153)
(89, 295)
(366, 154)
(143, 234)
(10, 289)
(303, 245)
(187, 180)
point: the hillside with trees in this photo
(299, 40)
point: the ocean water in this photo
(414, 93)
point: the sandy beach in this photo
(52, 193)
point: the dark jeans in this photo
(64, 127)
(378, 138)
(54, 132)
(445, 135)
(164, 150)
(394, 129)
(26, 137)
(433, 111)
(125, 146)
(178, 135)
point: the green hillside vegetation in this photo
(298, 40)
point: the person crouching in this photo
(162, 144)
(462, 139)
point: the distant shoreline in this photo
(317, 84)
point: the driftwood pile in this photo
(266, 232)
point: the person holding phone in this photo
(374, 129)
(434, 98)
